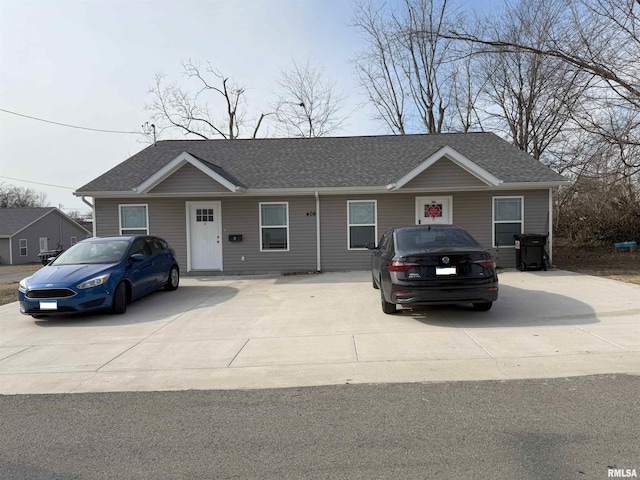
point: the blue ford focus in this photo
(100, 274)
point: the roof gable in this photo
(212, 171)
(14, 220)
(448, 153)
(188, 179)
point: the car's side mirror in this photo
(371, 246)
(137, 257)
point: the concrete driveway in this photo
(262, 332)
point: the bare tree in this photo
(308, 104)
(12, 196)
(214, 110)
(532, 96)
(379, 67)
(600, 38)
(406, 65)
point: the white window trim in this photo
(143, 231)
(26, 249)
(286, 204)
(493, 218)
(374, 225)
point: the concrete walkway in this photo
(252, 332)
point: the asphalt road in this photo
(566, 428)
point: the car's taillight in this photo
(487, 263)
(397, 266)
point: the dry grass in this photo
(8, 292)
(601, 262)
(9, 287)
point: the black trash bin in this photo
(530, 252)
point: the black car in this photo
(432, 264)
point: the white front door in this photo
(434, 210)
(205, 236)
(44, 244)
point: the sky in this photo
(91, 64)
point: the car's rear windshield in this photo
(421, 238)
(110, 251)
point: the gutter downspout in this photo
(93, 214)
(319, 264)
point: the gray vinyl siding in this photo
(167, 219)
(58, 231)
(392, 209)
(5, 253)
(240, 216)
(471, 211)
(189, 179)
(444, 172)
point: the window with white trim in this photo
(274, 226)
(361, 223)
(23, 247)
(508, 220)
(134, 220)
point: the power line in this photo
(68, 125)
(36, 183)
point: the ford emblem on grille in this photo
(445, 260)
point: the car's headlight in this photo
(23, 284)
(94, 282)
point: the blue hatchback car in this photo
(100, 273)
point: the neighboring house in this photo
(294, 205)
(25, 232)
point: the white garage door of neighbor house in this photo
(434, 210)
(205, 232)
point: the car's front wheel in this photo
(386, 306)
(482, 307)
(119, 305)
(174, 279)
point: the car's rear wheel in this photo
(174, 279)
(483, 306)
(386, 306)
(119, 305)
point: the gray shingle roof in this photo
(13, 220)
(325, 162)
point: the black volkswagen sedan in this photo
(432, 264)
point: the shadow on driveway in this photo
(158, 305)
(515, 307)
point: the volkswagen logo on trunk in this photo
(445, 260)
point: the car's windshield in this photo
(420, 238)
(109, 251)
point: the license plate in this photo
(446, 271)
(48, 305)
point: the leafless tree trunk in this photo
(406, 65)
(600, 38)
(533, 95)
(308, 105)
